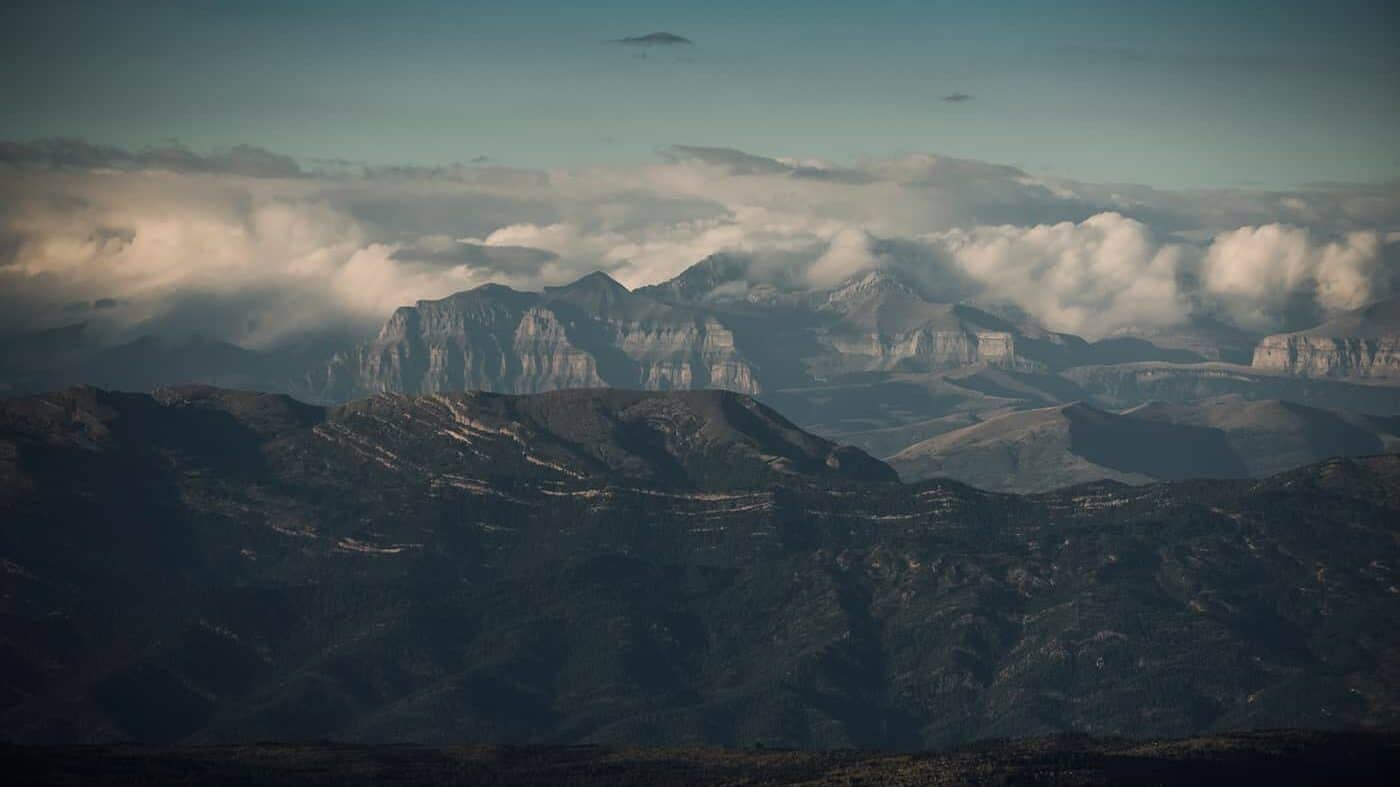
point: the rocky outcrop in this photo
(591, 333)
(927, 348)
(1363, 343)
(691, 333)
(877, 322)
(1329, 356)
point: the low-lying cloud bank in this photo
(255, 248)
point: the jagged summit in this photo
(700, 281)
(878, 281)
(597, 282)
(600, 294)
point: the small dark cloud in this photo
(74, 153)
(100, 304)
(61, 152)
(957, 98)
(655, 39)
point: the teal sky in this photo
(1177, 94)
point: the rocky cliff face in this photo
(1327, 356)
(927, 349)
(878, 322)
(591, 333)
(1363, 343)
(595, 332)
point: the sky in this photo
(269, 172)
(1173, 95)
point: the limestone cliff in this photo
(591, 333)
(1363, 343)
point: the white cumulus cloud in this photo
(257, 255)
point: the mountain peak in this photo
(700, 280)
(492, 288)
(595, 291)
(871, 284)
(593, 282)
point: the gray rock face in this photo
(595, 332)
(591, 333)
(710, 327)
(1363, 343)
(880, 323)
(877, 321)
(1323, 356)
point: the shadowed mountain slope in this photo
(204, 565)
(1223, 437)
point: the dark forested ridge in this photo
(672, 569)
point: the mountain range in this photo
(876, 361)
(205, 565)
(1224, 437)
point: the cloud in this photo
(499, 259)
(1104, 275)
(247, 246)
(737, 162)
(957, 97)
(655, 39)
(171, 156)
(1265, 275)
(846, 254)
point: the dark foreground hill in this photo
(650, 569)
(1275, 757)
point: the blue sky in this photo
(1178, 94)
